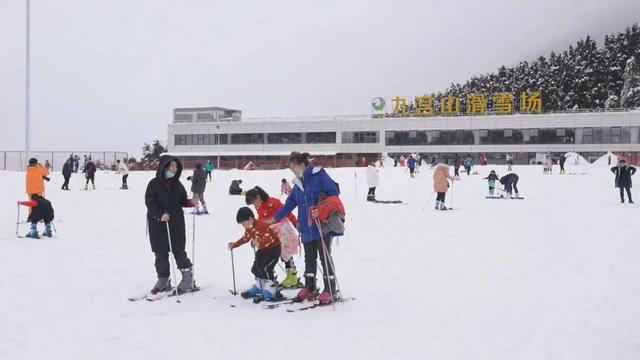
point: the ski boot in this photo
(325, 297)
(371, 198)
(204, 210)
(163, 284)
(93, 186)
(309, 291)
(292, 279)
(187, 284)
(252, 292)
(442, 207)
(33, 232)
(269, 291)
(47, 230)
(86, 187)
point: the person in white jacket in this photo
(373, 179)
(123, 169)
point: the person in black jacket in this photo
(563, 159)
(41, 210)
(235, 188)
(67, 170)
(90, 173)
(456, 166)
(198, 185)
(165, 197)
(623, 178)
(510, 182)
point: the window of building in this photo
(615, 133)
(360, 137)
(183, 118)
(508, 133)
(320, 138)
(284, 138)
(223, 139)
(247, 138)
(560, 132)
(484, 133)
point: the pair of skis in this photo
(160, 295)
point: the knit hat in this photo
(33, 161)
(244, 214)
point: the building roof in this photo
(245, 153)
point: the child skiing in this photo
(441, 179)
(267, 251)
(124, 170)
(208, 168)
(90, 173)
(373, 180)
(41, 210)
(623, 178)
(468, 164)
(411, 163)
(492, 181)
(36, 175)
(266, 208)
(198, 185)
(285, 187)
(164, 198)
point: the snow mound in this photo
(604, 160)
(573, 158)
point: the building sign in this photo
(500, 103)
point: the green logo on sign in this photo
(378, 104)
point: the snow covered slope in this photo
(554, 276)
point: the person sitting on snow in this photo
(267, 245)
(41, 210)
(235, 188)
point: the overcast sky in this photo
(106, 74)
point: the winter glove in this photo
(46, 178)
(231, 246)
(188, 178)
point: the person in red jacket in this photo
(267, 207)
(267, 245)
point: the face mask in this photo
(168, 174)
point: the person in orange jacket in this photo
(36, 175)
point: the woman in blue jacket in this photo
(309, 184)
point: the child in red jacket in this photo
(267, 207)
(267, 245)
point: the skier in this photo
(468, 164)
(235, 188)
(623, 178)
(41, 210)
(90, 173)
(208, 168)
(373, 180)
(67, 170)
(434, 159)
(164, 198)
(411, 163)
(492, 181)
(285, 187)
(198, 185)
(267, 245)
(47, 165)
(76, 163)
(456, 167)
(124, 170)
(509, 159)
(510, 182)
(548, 164)
(266, 208)
(441, 179)
(418, 162)
(563, 159)
(310, 183)
(36, 175)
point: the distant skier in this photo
(67, 170)
(89, 172)
(35, 177)
(76, 163)
(373, 180)
(456, 166)
(418, 162)
(563, 159)
(623, 178)
(509, 159)
(434, 160)
(208, 168)
(441, 179)
(123, 169)
(164, 198)
(491, 179)
(468, 164)
(234, 188)
(41, 210)
(198, 186)
(267, 245)
(47, 165)
(411, 163)
(548, 164)
(510, 182)
(285, 187)
(266, 208)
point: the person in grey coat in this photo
(198, 185)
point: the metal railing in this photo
(17, 160)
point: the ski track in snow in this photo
(554, 276)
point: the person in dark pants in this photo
(198, 185)
(310, 183)
(89, 172)
(456, 165)
(623, 178)
(164, 198)
(510, 182)
(234, 188)
(563, 159)
(67, 170)
(41, 210)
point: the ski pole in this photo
(355, 186)
(427, 202)
(233, 274)
(173, 270)
(193, 249)
(451, 203)
(326, 264)
(54, 228)
(18, 220)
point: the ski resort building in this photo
(353, 140)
